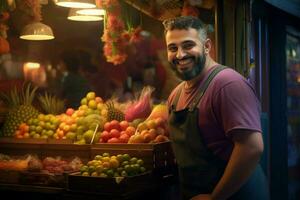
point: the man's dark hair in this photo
(186, 22)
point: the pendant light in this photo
(37, 31)
(91, 11)
(76, 3)
(75, 16)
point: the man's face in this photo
(185, 53)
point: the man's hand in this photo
(202, 197)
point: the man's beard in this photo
(194, 71)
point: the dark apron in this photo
(199, 169)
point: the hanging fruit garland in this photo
(4, 16)
(115, 37)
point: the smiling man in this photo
(214, 120)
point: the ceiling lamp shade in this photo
(76, 3)
(91, 11)
(75, 16)
(37, 31)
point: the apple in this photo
(105, 136)
(114, 133)
(124, 125)
(113, 140)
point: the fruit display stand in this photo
(158, 161)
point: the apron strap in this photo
(202, 89)
(178, 93)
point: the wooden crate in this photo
(158, 157)
(66, 151)
(9, 176)
(42, 179)
(20, 147)
(100, 185)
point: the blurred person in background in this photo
(73, 85)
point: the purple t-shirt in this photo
(229, 103)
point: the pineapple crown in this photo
(15, 97)
(51, 104)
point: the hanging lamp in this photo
(76, 3)
(37, 31)
(91, 11)
(75, 16)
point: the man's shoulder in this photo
(228, 75)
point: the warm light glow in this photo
(32, 65)
(95, 11)
(37, 37)
(37, 31)
(35, 73)
(76, 3)
(75, 16)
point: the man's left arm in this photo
(248, 147)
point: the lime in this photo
(85, 174)
(92, 169)
(98, 157)
(84, 168)
(103, 175)
(94, 174)
(105, 154)
(142, 169)
(125, 163)
(133, 160)
(140, 162)
(110, 173)
(124, 173)
(126, 157)
(120, 158)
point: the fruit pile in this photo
(44, 126)
(104, 165)
(59, 165)
(116, 132)
(150, 131)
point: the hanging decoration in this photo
(4, 16)
(116, 37)
(31, 8)
(189, 9)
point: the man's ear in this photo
(207, 46)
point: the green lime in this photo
(106, 154)
(140, 162)
(142, 169)
(94, 174)
(85, 174)
(124, 173)
(92, 169)
(133, 160)
(110, 173)
(126, 157)
(98, 157)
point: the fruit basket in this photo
(113, 185)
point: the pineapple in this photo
(51, 104)
(20, 108)
(114, 113)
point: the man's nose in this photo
(180, 53)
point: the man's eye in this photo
(188, 46)
(172, 49)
